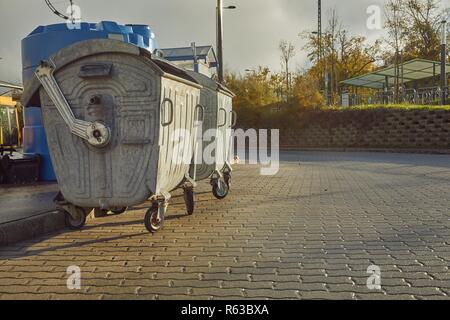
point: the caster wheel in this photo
(152, 223)
(227, 178)
(119, 211)
(77, 223)
(221, 189)
(189, 199)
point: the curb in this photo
(29, 228)
(378, 150)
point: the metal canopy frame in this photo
(412, 70)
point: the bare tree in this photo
(424, 20)
(396, 24)
(287, 53)
(332, 35)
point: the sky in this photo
(252, 32)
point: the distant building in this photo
(184, 57)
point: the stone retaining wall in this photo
(371, 129)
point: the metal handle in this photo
(234, 119)
(95, 133)
(95, 70)
(163, 112)
(199, 110)
(224, 117)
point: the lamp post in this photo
(219, 10)
(320, 57)
(443, 62)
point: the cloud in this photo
(252, 32)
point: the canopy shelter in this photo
(416, 69)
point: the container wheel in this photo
(221, 188)
(152, 223)
(78, 222)
(189, 199)
(119, 210)
(227, 178)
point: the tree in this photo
(287, 53)
(332, 32)
(424, 18)
(345, 55)
(396, 24)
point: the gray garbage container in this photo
(218, 117)
(109, 110)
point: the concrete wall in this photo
(371, 129)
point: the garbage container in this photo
(110, 110)
(45, 41)
(218, 119)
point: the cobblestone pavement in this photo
(310, 232)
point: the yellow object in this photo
(7, 102)
(10, 121)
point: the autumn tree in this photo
(344, 55)
(287, 53)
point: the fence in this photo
(423, 96)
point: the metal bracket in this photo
(228, 169)
(190, 182)
(216, 176)
(163, 197)
(95, 133)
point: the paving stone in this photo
(281, 237)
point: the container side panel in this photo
(177, 131)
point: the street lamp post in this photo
(220, 39)
(321, 57)
(443, 62)
(219, 10)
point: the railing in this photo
(423, 96)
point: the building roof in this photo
(415, 69)
(186, 53)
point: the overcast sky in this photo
(252, 32)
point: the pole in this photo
(443, 62)
(321, 55)
(194, 52)
(319, 28)
(326, 83)
(220, 40)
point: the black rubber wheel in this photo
(152, 224)
(189, 199)
(227, 178)
(76, 224)
(119, 210)
(221, 188)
